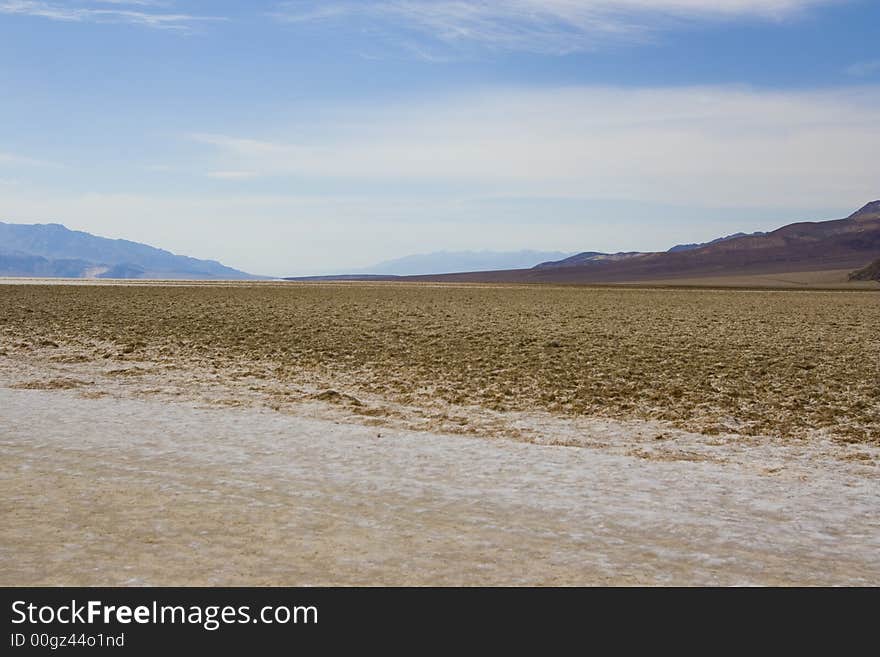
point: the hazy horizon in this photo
(299, 138)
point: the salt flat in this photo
(428, 434)
(122, 491)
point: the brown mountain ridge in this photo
(840, 244)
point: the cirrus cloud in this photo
(147, 13)
(540, 26)
(695, 145)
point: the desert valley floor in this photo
(438, 434)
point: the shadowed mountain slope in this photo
(869, 273)
(52, 250)
(800, 247)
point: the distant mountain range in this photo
(691, 247)
(594, 257)
(853, 244)
(51, 250)
(588, 257)
(840, 244)
(441, 262)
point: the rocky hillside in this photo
(869, 273)
(839, 244)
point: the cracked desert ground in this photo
(373, 434)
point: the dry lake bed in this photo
(438, 434)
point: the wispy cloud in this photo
(147, 13)
(697, 145)
(864, 69)
(542, 26)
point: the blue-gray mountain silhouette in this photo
(441, 262)
(51, 250)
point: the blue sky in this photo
(308, 137)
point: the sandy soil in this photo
(116, 490)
